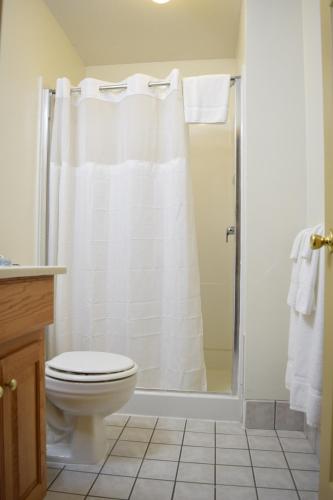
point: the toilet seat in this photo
(90, 366)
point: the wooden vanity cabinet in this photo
(26, 307)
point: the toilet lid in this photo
(90, 363)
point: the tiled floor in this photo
(167, 458)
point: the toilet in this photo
(83, 387)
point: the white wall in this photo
(275, 184)
(32, 45)
(313, 111)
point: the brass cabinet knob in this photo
(12, 384)
(2, 391)
(317, 241)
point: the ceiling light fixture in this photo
(161, 1)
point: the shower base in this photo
(185, 404)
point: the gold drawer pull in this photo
(2, 391)
(12, 384)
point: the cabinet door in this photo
(23, 407)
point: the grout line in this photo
(180, 454)
(291, 474)
(143, 458)
(274, 422)
(254, 478)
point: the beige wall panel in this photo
(32, 45)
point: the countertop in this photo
(28, 271)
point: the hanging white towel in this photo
(308, 274)
(206, 98)
(304, 368)
(295, 270)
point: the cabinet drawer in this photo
(26, 304)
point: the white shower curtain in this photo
(121, 220)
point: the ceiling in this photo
(129, 31)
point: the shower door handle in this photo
(230, 231)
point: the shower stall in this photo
(214, 170)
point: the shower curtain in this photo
(121, 220)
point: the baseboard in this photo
(261, 414)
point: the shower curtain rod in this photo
(123, 86)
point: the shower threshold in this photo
(185, 404)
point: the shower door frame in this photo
(150, 401)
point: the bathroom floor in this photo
(171, 458)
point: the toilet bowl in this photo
(83, 387)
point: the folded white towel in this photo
(206, 98)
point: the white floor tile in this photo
(235, 493)
(226, 456)
(234, 476)
(229, 428)
(99, 498)
(51, 475)
(117, 486)
(52, 495)
(302, 461)
(306, 480)
(273, 478)
(73, 482)
(199, 439)
(261, 432)
(163, 452)
(136, 434)
(191, 491)
(198, 454)
(150, 489)
(296, 445)
(167, 437)
(291, 434)
(171, 424)
(129, 449)
(142, 422)
(271, 494)
(264, 443)
(230, 441)
(274, 459)
(196, 425)
(308, 495)
(195, 473)
(158, 469)
(122, 466)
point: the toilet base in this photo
(86, 444)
